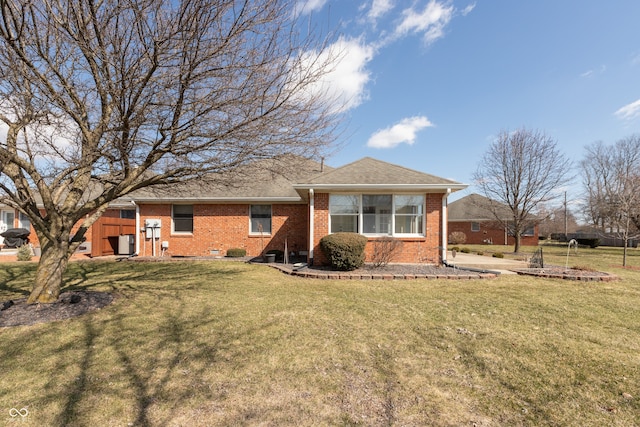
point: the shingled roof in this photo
(475, 207)
(264, 180)
(368, 173)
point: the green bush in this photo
(456, 248)
(236, 252)
(498, 255)
(465, 250)
(24, 253)
(592, 243)
(345, 251)
(480, 253)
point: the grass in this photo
(225, 343)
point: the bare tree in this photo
(102, 98)
(611, 179)
(521, 170)
(556, 220)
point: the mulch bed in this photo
(70, 304)
(387, 272)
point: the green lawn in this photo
(225, 343)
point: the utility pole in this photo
(565, 215)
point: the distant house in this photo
(474, 216)
(260, 208)
(11, 218)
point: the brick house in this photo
(473, 215)
(263, 208)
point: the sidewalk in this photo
(485, 262)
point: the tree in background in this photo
(99, 99)
(611, 180)
(556, 220)
(522, 170)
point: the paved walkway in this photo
(482, 262)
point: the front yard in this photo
(225, 343)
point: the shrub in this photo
(592, 243)
(498, 255)
(24, 253)
(465, 250)
(384, 250)
(457, 238)
(456, 248)
(236, 252)
(480, 253)
(345, 251)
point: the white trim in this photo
(263, 233)
(383, 187)
(360, 215)
(311, 224)
(445, 232)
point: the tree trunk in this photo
(516, 237)
(48, 282)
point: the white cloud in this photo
(342, 74)
(630, 111)
(404, 131)
(467, 10)
(430, 22)
(305, 7)
(593, 72)
(379, 8)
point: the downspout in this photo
(311, 225)
(137, 235)
(445, 197)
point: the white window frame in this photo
(253, 232)
(392, 227)
(173, 222)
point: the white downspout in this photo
(137, 235)
(445, 233)
(311, 225)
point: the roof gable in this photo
(376, 173)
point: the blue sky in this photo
(428, 83)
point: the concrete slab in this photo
(484, 262)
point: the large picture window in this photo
(377, 214)
(260, 219)
(182, 216)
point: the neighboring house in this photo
(11, 218)
(266, 208)
(473, 215)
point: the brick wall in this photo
(414, 250)
(219, 227)
(489, 232)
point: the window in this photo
(260, 219)
(24, 221)
(475, 226)
(344, 211)
(182, 218)
(377, 214)
(127, 213)
(409, 214)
